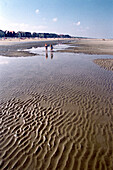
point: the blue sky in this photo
(89, 18)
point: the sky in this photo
(82, 18)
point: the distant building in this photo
(64, 36)
(2, 33)
(35, 34)
(23, 34)
(10, 34)
(28, 34)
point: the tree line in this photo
(29, 34)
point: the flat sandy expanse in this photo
(13, 41)
(92, 46)
(87, 46)
(14, 47)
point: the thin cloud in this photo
(37, 11)
(78, 23)
(55, 19)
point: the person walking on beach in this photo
(51, 47)
(46, 46)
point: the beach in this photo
(14, 47)
(105, 63)
(92, 46)
(56, 108)
(13, 41)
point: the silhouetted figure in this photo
(46, 46)
(51, 47)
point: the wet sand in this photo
(15, 47)
(105, 63)
(91, 46)
(55, 113)
(13, 41)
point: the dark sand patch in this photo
(105, 63)
(17, 54)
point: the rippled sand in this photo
(105, 63)
(56, 114)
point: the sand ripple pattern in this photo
(105, 63)
(49, 133)
(63, 121)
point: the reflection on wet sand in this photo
(46, 55)
(50, 54)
